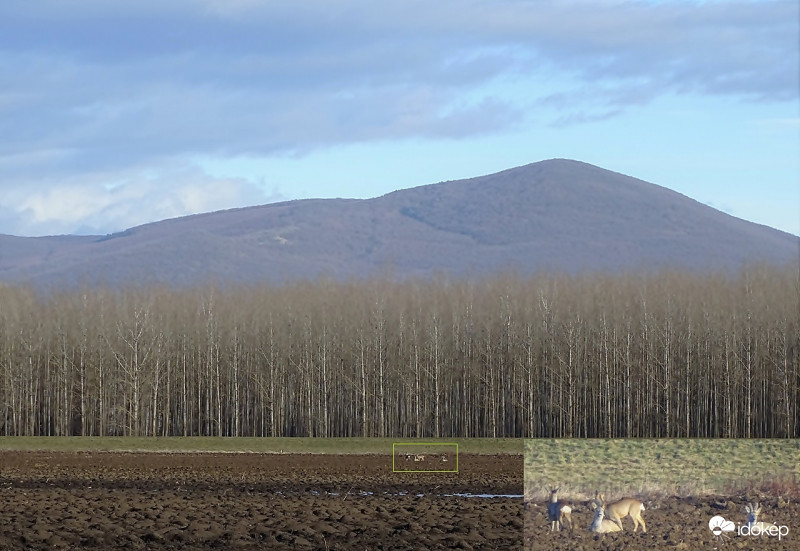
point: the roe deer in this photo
(419, 458)
(558, 512)
(752, 517)
(624, 507)
(600, 524)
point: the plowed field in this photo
(105, 500)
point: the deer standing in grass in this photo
(752, 518)
(558, 512)
(600, 524)
(623, 508)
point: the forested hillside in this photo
(555, 215)
(663, 355)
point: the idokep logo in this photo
(719, 527)
(722, 528)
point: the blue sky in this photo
(116, 114)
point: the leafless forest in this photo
(662, 355)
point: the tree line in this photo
(671, 354)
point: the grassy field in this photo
(250, 445)
(679, 467)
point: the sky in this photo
(119, 113)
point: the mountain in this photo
(555, 215)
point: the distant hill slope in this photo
(555, 215)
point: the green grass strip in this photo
(199, 444)
(657, 467)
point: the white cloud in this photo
(113, 202)
(58, 204)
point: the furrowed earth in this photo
(672, 523)
(112, 500)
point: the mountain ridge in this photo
(555, 215)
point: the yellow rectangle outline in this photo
(394, 456)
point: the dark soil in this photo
(672, 523)
(253, 501)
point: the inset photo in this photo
(661, 493)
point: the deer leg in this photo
(641, 520)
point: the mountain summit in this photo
(555, 215)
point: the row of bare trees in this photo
(661, 355)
